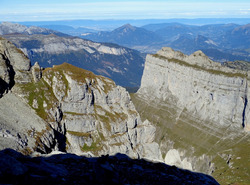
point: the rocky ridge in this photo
(13, 64)
(201, 112)
(13, 28)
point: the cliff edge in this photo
(201, 112)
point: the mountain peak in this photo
(126, 28)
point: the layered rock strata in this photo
(200, 108)
(199, 85)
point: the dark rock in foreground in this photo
(16, 168)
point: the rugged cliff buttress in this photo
(201, 112)
(76, 111)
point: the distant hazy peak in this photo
(11, 24)
(126, 27)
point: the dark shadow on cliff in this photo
(4, 86)
(15, 168)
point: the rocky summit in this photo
(201, 112)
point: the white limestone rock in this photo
(14, 66)
(19, 124)
(15, 56)
(99, 117)
(36, 72)
(209, 91)
(206, 106)
(173, 157)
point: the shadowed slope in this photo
(72, 169)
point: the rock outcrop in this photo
(72, 109)
(20, 126)
(14, 66)
(200, 86)
(201, 111)
(36, 72)
(98, 116)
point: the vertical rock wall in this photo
(200, 110)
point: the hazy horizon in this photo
(45, 10)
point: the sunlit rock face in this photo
(99, 116)
(69, 109)
(200, 109)
(201, 86)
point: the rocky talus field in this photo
(201, 113)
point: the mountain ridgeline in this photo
(48, 47)
(221, 42)
(201, 112)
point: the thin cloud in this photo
(123, 10)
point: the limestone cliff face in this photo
(201, 112)
(68, 109)
(98, 116)
(20, 126)
(203, 87)
(14, 66)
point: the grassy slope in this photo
(186, 133)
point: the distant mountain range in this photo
(126, 35)
(69, 29)
(221, 39)
(230, 41)
(221, 42)
(14, 28)
(48, 47)
(110, 24)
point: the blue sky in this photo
(40, 10)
